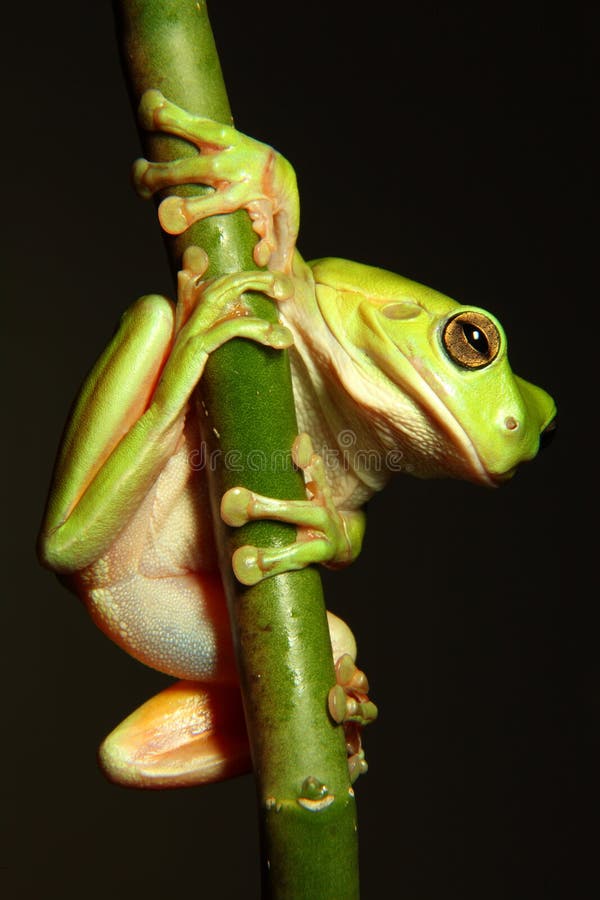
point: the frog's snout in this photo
(547, 435)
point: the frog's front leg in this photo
(325, 534)
(242, 172)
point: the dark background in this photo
(448, 143)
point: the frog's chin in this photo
(496, 479)
(472, 467)
(477, 473)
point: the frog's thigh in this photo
(156, 592)
(179, 624)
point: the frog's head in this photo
(471, 415)
(459, 375)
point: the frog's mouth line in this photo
(467, 463)
(434, 406)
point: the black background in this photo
(449, 143)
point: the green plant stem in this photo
(246, 408)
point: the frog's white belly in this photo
(156, 592)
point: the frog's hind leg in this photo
(113, 398)
(194, 732)
(188, 734)
(129, 418)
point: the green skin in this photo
(382, 383)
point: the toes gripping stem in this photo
(349, 705)
(323, 535)
(241, 173)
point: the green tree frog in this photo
(388, 376)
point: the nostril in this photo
(547, 435)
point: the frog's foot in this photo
(221, 295)
(242, 172)
(188, 734)
(349, 705)
(325, 534)
(209, 314)
(194, 733)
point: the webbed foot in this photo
(325, 534)
(349, 705)
(210, 313)
(243, 174)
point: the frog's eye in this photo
(471, 340)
